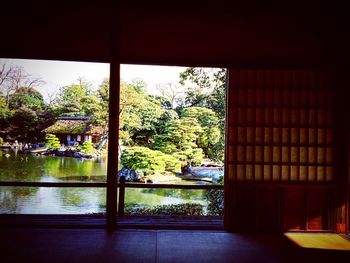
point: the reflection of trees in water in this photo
(82, 196)
(20, 167)
(12, 197)
(27, 167)
(66, 167)
(176, 193)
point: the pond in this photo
(54, 200)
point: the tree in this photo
(13, 78)
(179, 140)
(170, 91)
(86, 148)
(101, 116)
(209, 91)
(23, 123)
(210, 134)
(149, 116)
(70, 100)
(148, 161)
(78, 99)
(5, 112)
(139, 85)
(27, 97)
(131, 102)
(52, 142)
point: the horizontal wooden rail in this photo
(51, 184)
(175, 186)
(168, 186)
(127, 185)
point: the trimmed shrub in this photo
(86, 148)
(189, 157)
(215, 200)
(52, 142)
(171, 163)
(148, 161)
(187, 209)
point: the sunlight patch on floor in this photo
(319, 241)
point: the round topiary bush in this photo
(86, 148)
(149, 161)
(52, 142)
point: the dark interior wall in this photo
(228, 40)
(54, 30)
(209, 33)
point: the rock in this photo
(131, 175)
(208, 173)
(160, 178)
(203, 173)
(78, 155)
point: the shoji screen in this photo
(280, 133)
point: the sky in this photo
(57, 74)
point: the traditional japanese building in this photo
(75, 130)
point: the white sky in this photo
(57, 74)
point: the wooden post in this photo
(121, 202)
(341, 113)
(113, 135)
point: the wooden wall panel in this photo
(267, 218)
(295, 209)
(243, 206)
(280, 134)
(318, 209)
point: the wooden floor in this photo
(99, 221)
(128, 245)
(83, 238)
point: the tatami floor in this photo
(98, 245)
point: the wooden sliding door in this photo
(280, 168)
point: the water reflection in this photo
(27, 167)
(51, 200)
(47, 200)
(12, 198)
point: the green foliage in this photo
(164, 102)
(171, 163)
(1, 140)
(216, 200)
(189, 157)
(188, 138)
(149, 117)
(148, 161)
(24, 121)
(78, 99)
(5, 113)
(52, 142)
(139, 85)
(210, 135)
(86, 148)
(209, 92)
(130, 102)
(187, 209)
(179, 133)
(27, 97)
